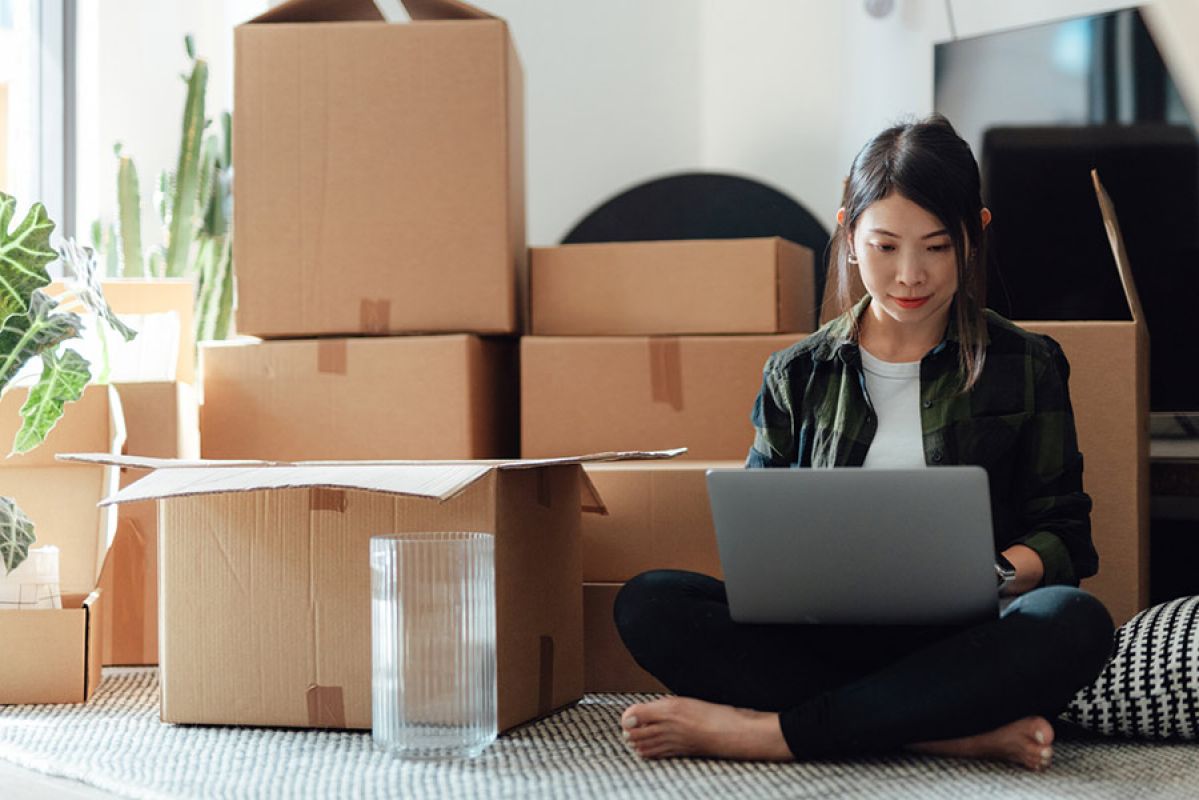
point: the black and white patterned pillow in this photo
(1150, 688)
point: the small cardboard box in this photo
(154, 297)
(1109, 390)
(265, 577)
(608, 665)
(658, 518)
(587, 395)
(410, 397)
(162, 421)
(380, 171)
(53, 656)
(718, 286)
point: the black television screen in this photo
(1041, 106)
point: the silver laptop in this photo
(856, 546)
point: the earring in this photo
(851, 258)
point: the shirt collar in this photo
(842, 341)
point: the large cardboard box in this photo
(411, 397)
(608, 666)
(162, 421)
(265, 580)
(593, 394)
(719, 286)
(1109, 389)
(53, 656)
(658, 517)
(380, 171)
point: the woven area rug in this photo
(117, 744)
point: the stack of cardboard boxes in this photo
(652, 344)
(379, 195)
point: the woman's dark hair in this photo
(928, 163)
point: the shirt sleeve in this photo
(773, 421)
(1056, 511)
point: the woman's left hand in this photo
(1029, 569)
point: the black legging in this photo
(845, 689)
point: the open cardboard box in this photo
(380, 171)
(53, 656)
(265, 578)
(1109, 390)
(720, 286)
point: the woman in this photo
(917, 372)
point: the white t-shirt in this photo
(894, 391)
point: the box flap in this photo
(439, 480)
(365, 11)
(1112, 225)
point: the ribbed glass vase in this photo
(433, 681)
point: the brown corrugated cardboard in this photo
(658, 518)
(156, 296)
(265, 580)
(1109, 389)
(53, 656)
(380, 186)
(718, 286)
(413, 397)
(607, 664)
(581, 395)
(162, 420)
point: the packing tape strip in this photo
(326, 707)
(666, 372)
(331, 356)
(320, 499)
(374, 316)
(545, 677)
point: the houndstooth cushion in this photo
(1150, 687)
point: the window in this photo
(36, 87)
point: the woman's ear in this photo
(841, 215)
(986, 217)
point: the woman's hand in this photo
(1029, 569)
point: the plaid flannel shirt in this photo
(1017, 423)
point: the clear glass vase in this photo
(433, 681)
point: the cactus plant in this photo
(194, 206)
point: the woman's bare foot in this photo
(1026, 742)
(682, 726)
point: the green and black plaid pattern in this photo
(1017, 423)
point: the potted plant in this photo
(34, 324)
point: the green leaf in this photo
(24, 336)
(63, 380)
(83, 278)
(24, 255)
(16, 534)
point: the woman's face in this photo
(907, 261)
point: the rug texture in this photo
(116, 743)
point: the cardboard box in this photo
(718, 286)
(162, 421)
(380, 186)
(608, 665)
(154, 297)
(53, 656)
(587, 395)
(658, 518)
(265, 606)
(1109, 389)
(413, 397)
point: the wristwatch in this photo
(1005, 571)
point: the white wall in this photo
(617, 92)
(131, 55)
